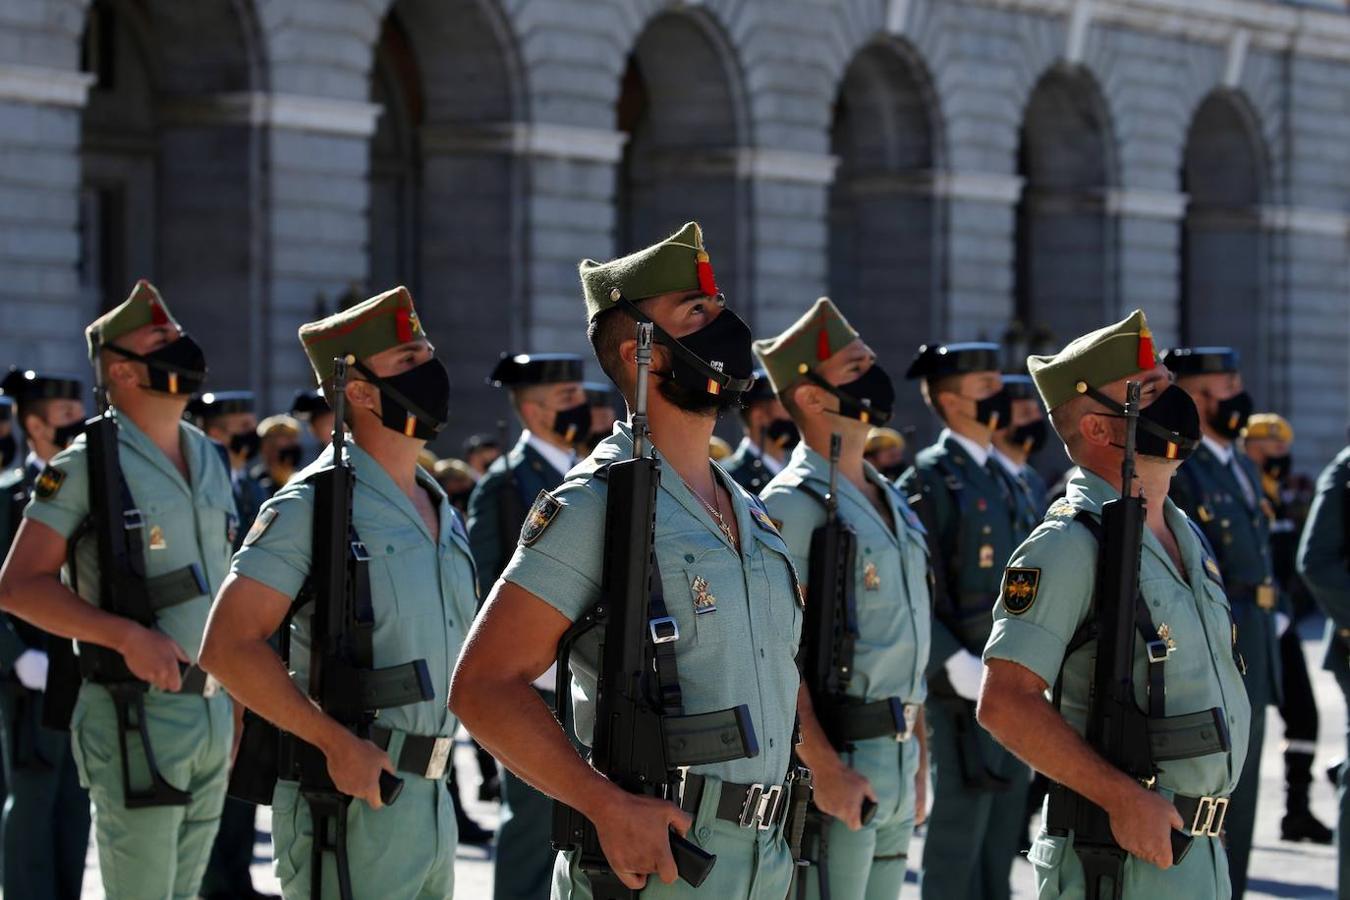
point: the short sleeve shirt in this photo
(739, 613)
(187, 521)
(422, 585)
(890, 577)
(1057, 567)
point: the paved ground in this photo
(1279, 870)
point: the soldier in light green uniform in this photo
(46, 820)
(1047, 597)
(966, 505)
(179, 484)
(890, 581)
(1324, 563)
(769, 437)
(422, 597)
(728, 585)
(1220, 488)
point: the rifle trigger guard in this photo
(664, 630)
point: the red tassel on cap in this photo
(823, 345)
(157, 314)
(1145, 349)
(707, 282)
(403, 324)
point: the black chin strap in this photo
(724, 381)
(400, 398)
(155, 363)
(1172, 437)
(866, 413)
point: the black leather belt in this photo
(758, 806)
(880, 718)
(422, 755)
(1203, 816)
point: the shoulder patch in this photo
(1020, 586)
(48, 484)
(539, 517)
(260, 525)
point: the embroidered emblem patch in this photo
(260, 525)
(871, 580)
(49, 483)
(539, 518)
(157, 541)
(704, 601)
(1019, 589)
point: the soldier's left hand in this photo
(839, 791)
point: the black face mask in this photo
(65, 434)
(176, 368)
(710, 368)
(782, 432)
(289, 456)
(246, 442)
(573, 423)
(869, 398)
(992, 411)
(415, 403)
(1169, 427)
(8, 447)
(1231, 415)
(1278, 467)
(1031, 437)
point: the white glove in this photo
(31, 669)
(964, 671)
(1282, 623)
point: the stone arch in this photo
(1224, 171)
(682, 105)
(1064, 277)
(169, 166)
(886, 225)
(445, 211)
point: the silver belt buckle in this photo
(440, 758)
(1209, 815)
(761, 804)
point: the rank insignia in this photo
(157, 541)
(49, 483)
(763, 519)
(1019, 589)
(540, 516)
(1265, 597)
(871, 580)
(260, 525)
(1212, 569)
(704, 601)
(986, 556)
(1165, 635)
(1203, 513)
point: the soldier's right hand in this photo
(355, 765)
(634, 832)
(840, 791)
(1142, 824)
(154, 657)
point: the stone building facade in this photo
(1019, 170)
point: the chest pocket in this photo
(781, 588)
(404, 573)
(704, 593)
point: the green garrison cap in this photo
(679, 263)
(809, 341)
(385, 320)
(1096, 359)
(144, 307)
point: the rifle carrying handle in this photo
(869, 811)
(390, 788)
(693, 862)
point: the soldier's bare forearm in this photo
(1013, 708)
(815, 749)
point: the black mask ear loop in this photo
(866, 413)
(397, 396)
(724, 381)
(1175, 438)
